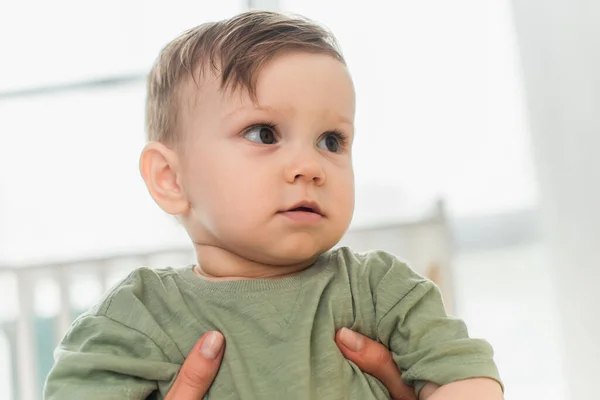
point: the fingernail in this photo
(352, 340)
(211, 346)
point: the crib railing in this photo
(52, 290)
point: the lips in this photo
(304, 214)
(306, 206)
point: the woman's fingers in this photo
(375, 359)
(199, 369)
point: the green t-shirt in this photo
(279, 333)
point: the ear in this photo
(159, 166)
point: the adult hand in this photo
(201, 366)
(199, 369)
(375, 359)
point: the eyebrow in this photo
(268, 109)
(255, 108)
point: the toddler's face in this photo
(272, 180)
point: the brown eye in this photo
(261, 134)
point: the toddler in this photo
(250, 125)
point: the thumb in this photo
(199, 369)
(375, 359)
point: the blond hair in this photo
(235, 49)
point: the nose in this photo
(305, 167)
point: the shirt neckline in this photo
(249, 286)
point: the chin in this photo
(295, 252)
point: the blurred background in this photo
(478, 126)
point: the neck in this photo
(216, 263)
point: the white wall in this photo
(62, 41)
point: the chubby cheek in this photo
(231, 194)
(346, 210)
(344, 197)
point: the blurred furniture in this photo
(50, 296)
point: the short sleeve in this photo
(100, 358)
(427, 344)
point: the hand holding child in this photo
(201, 366)
(199, 369)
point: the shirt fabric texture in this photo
(279, 333)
